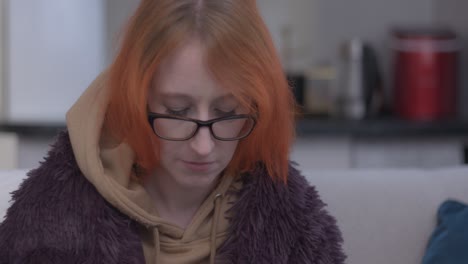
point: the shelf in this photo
(381, 128)
(32, 129)
(311, 127)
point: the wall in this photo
(117, 14)
(319, 27)
(294, 26)
(2, 62)
(453, 14)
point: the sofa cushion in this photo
(387, 215)
(9, 182)
(449, 240)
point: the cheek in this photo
(168, 149)
(227, 149)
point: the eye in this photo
(176, 112)
(222, 113)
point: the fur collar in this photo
(59, 217)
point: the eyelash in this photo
(184, 112)
(223, 113)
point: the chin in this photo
(198, 180)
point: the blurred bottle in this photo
(320, 90)
(361, 90)
(352, 92)
(297, 82)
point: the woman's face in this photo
(183, 87)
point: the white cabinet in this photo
(324, 152)
(8, 151)
(385, 152)
(414, 152)
(54, 49)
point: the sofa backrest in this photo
(9, 181)
(387, 216)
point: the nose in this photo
(202, 143)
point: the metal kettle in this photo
(361, 92)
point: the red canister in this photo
(425, 68)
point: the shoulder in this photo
(319, 237)
(57, 213)
(286, 223)
(296, 199)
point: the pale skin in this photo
(189, 170)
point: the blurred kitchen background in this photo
(379, 83)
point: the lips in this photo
(199, 166)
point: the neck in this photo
(170, 204)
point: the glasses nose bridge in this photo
(200, 124)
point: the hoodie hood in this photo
(108, 165)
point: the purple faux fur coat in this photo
(59, 217)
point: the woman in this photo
(177, 154)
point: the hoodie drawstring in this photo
(157, 245)
(214, 224)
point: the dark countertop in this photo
(309, 127)
(381, 128)
(36, 130)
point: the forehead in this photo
(185, 73)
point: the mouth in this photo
(199, 166)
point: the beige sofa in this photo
(386, 216)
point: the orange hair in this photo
(239, 53)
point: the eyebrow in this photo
(172, 95)
(224, 97)
(175, 95)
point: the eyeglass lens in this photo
(181, 129)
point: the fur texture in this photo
(59, 217)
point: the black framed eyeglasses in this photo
(176, 128)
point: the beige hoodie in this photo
(108, 166)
